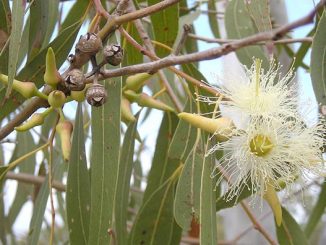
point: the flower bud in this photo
(135, 82)
(271, 197)
(126, 113)
(26, 89)
(222, 127)
(113, 54)
(89, 43)
(64, 130)
(79, 96)
(51, 76)
(96, 95)
(147, 101)
(35, 120)
(56, 99)
(75, 80)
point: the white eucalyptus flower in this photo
(273, 150)
(257, 93)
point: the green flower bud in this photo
(64, 130)
(126, 113)
(35, 120)
(222, 127)
(271, 197)
(56, 99)
(147, 101)
(51, 76)
(135, 82)
(26, 89)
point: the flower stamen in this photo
(260, 145)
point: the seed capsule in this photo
(96, 95)
(113, 54)
(89, 43)
(75, 80)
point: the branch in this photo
(214, 53)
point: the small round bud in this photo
(57, 99)
(75, 80)
(96, 95)
(113, 54)
(89, 43)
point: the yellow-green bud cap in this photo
(135, 82)
(64, 130)
(147, 101)
(79, 96)
(51, 76)
(35, 120)
(126, 113)
(271, 197)
(222, 127)
(56, 99)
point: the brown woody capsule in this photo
(89, 43)
(96, 95)
(75, 80)
(113, 54)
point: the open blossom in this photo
(258, 93)
(271, 150)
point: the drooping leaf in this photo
(212, 18)
(239, 25)
(18, 10)
(317, 212)
(40, 204)
(161, 168)
(104, 163)
(53, 16)
(78, 186)
(290, 233)
(318, 61)
(25, 144)
(123, 183)
(165, 26)
(259, 11)
(5, 27)
(38, 26)
(78, 11)
(154, 223)
(207, 216)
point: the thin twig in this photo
(222, 40)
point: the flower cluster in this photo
(273, 146)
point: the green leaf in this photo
(187, 198)
(154, 224)
(25, 144)
(34, 70)
(40, 205)
(165, 26)
(5, 25)
(104, 163)
(78, 186)
(212, 18)
(239, 25)
(37, 26)
(53, 16)
(15, 41)
(223, 201)
(123, 184)
(260, 13)
(132, 55)
(207, 216)
(317, 212)
(162, 166)
(290, 233)
(78, 11)
(318, 61)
